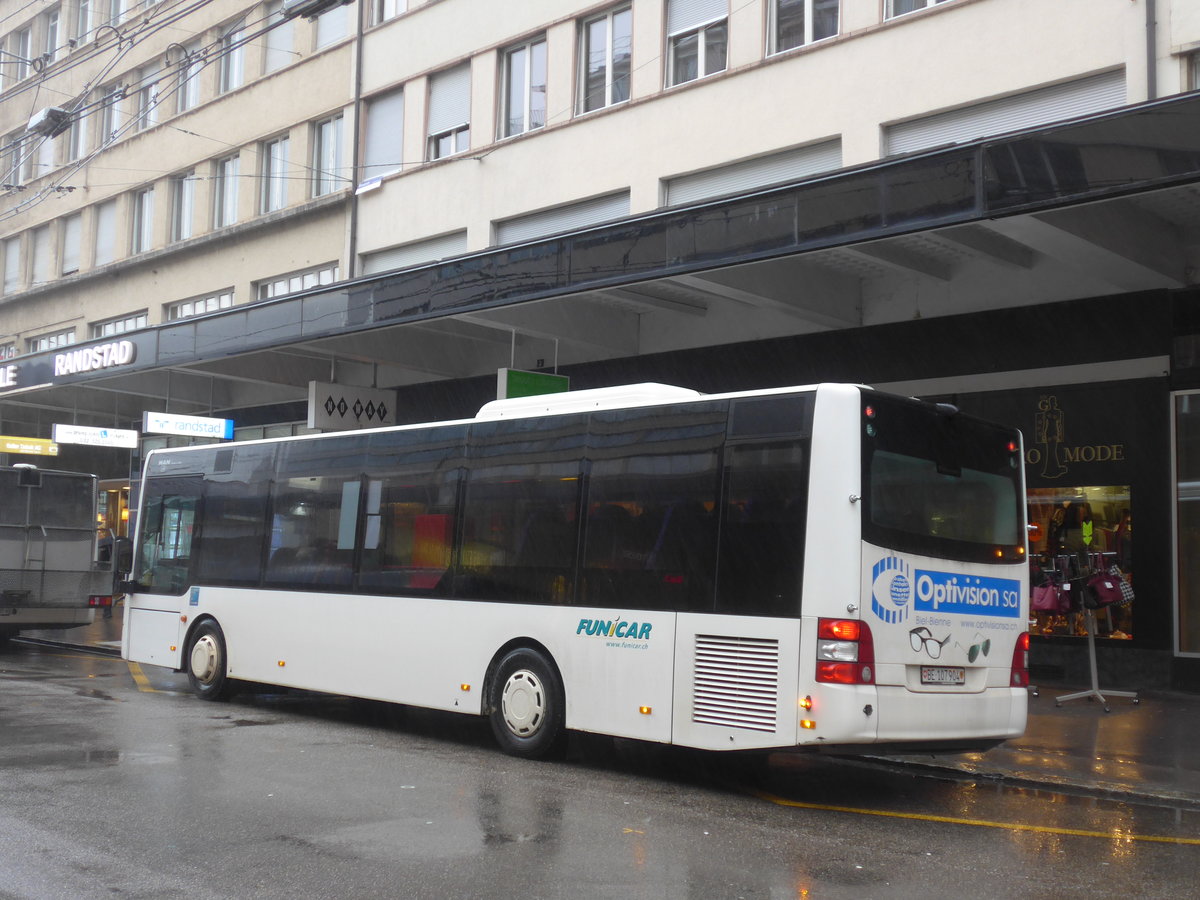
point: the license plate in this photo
(943, 675)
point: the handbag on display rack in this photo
(1102, 590)
(1122, 583)
(1045, 598)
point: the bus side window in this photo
(761, 552)
(409, 533)
(164, 558)
(310, 520)
(519, 533)
(651, 531)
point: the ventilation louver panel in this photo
(736, 682)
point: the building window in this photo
(42, 255)
(327, 156)
(524, 91)
(77, 138)
(697, 39)
(332, 26)
(42, 158)
(1193, 71)
(383, 147)
(72, 235)
(183, 205)
(50, 341)
(298, 281)
(187, 93)
(8, 350)
(147, 99)
(449, 112)
(273, 157)
(233, 58)
(83, 20)
(21, 50)
(605, 48)
(225, 192)
(50, 36)
(110, 112)
(799, 22)
(198, 306)
(120, 325)
(900, 7)
(106, 232)
(382, 10)
(12, 265)
(280, 38)
(13, 168)
(143, 221)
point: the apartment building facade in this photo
(987, 201)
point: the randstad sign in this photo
(94, 358)
(187, 426)
(68, 364)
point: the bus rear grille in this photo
(736, 682)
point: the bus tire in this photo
(527, 706)
(206, 662)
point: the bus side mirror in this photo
(123, 556)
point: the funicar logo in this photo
(618, 628)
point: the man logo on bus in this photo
(891, 589)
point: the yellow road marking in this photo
(978, 823)
(140, 679)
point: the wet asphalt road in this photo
(115, 782)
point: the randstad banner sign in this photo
(187, 426)
(74, 363)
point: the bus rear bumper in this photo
(943, 721)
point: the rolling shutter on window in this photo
(684, 15)
(563, 218)
(450, 99)
(415, 253)
(1093, 94)
(385, 132)
(750, 174)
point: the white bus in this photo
(813, 567)
(50, 577)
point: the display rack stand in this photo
(1094, 693)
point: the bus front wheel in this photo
(207, 662)
(527, 706)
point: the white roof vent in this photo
(648, 394)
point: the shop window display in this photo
(1076, 532)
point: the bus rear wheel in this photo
(527, 706)
(206, 662)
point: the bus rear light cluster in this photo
(99, 600)
(1020, 661)
(845, 652)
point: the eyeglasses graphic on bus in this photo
(981, 644)
(922, 637)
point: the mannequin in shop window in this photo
(1123, 542)
(1071, 528)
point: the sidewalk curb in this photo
(67, 645)
(1119, 794)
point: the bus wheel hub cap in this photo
(523, 703)
(204, 659)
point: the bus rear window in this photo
(940, 484)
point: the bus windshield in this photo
(940, 483)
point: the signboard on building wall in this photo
(27, 446)
(95, 437)
(187, 426)
(512, 383)
(342, 407)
